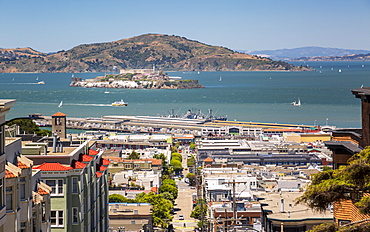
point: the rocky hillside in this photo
(168, 53)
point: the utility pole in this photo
(199, 185)
(234, 206)
(234, 219)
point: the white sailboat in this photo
(298, 103)
(60, 104)
(37, 78)
(106, 90)
(220, 78)
(340, 70)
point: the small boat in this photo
(60, 104)
(298, 103)
(119, 103)
(106, 90)
(340, 70)
(41, 82)
(37, 78)
(220, 78)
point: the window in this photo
(22, 187)
(74, 215)
(1, 193)
(9, 198)
(136, 211)
(23, 226)
(133, 222)
(74, 185)
(127, 166)
(56, 186)
(43, 211)
(56, 218)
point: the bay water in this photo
(259, 96)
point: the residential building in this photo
(280, 213)
(78, 177)
(5, 106)
(130, 217)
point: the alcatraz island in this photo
(137, 79)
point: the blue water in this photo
(244, 96)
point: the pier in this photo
(149, 124)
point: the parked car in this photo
(181, 217)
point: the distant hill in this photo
(168, 53)
(294, 53)
(353, 57)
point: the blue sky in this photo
(53, 25)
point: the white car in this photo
(181, 217)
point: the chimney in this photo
(282, 205)
(54, 142)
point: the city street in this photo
(183, 206)
(184, 202)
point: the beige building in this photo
(130, 217)
(280, 213)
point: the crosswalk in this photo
(183, 221)
(184, 228)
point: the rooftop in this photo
(291, 211)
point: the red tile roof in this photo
(98, 174)
(102, 168)
(53, 167)
(78, 165)
(105, 162)
(86, 158)
(154, 189)
(59, 114)
(42, 191)
(208, 159)
(9, 174)
(114, 159)
(93, 152)
(22, 165)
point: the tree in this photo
(169, 188)
(161, 208)
(169, 181)
(196, 213)
(162, 157)
(192, 146)
(347, 183)
(177, 165)
(134, 155)
(168, 196)
(192, 178)
(191, 162)
(28, 126)
(351, 182)
(119, 198)
(176, 156)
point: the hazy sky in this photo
(53, 25)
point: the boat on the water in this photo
(60, 104)
(41, 82)
(296, 103)
(119, 103)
